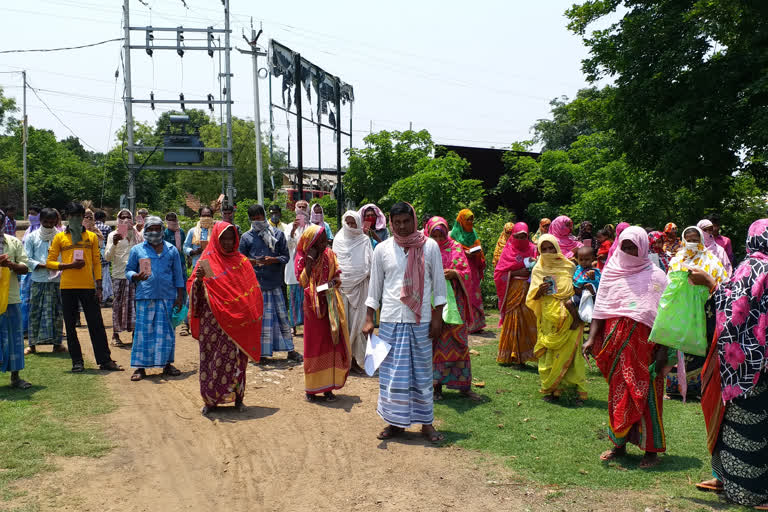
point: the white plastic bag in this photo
(586, 306)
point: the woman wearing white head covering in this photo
(707, 229)
(355, 254)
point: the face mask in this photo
(173, 225)
(259, 225)
(47, 234)
(316, 218)
(153, 237)
(275, 219)
(76, 224)
(206, 222)
(692, 246)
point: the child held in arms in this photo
(586, 277)
(604, 243)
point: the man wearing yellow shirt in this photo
(80, 268)
(13, 263)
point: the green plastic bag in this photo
(680, 322)
(451, 313)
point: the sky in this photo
(476, 74)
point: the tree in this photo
(386, 158)
(585, 115)
(7, 106)
(690, 95)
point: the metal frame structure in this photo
(129, 100)
(300, 73)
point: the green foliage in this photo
(7, 106)
(329, 210)
(489, 227)
(241, 211)
(386, 158)
(584, 115)
(689, 94)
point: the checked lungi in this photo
(405, 375)
(275, 326)
(123, 307)
(46, 316)
(154, 342)
(296, 304)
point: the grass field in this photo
(58, 416)
(559, 445)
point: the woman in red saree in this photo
(464, 232)
(327, 355)
(518, 322)
(450, 352)
(625, 309)
(225, 312)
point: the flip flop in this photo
(610, 455)
(433, 436)
(710, 486)
(389, 432)
(171, 371)
(138, 375)
(20, 384)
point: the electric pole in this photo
(24, 139)
(128, 101)
(256, 52)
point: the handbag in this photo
(681, 322)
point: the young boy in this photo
(585, 277)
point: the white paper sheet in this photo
(375, 352)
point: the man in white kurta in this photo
(408, 322)
(355, 255)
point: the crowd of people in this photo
(243, 294)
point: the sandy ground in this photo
(282, 453)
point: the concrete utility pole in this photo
(128, 101)
(24, 139)
(256, 52)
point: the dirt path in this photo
(283, 453)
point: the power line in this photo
(63, 48)
(58, 118)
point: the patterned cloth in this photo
(275, 327)
(296, 304)
(742, 318)
(740, 459)
(46, 316)
(405, 375)
(123, 306)
(518, 327)
(107, 290)
(11, 339)
(154, 342)
(222, 364)
(635, 392)
(25, 286)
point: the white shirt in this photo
(292, 241)
(387, 272)
(118, 254)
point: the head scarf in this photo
(463, 230)
(742, 318)
(233, 293)
(197, 231)
(512, 258)
(301, 203)
(630, 286)
(353, 251)
(317, 218)
(709, 242)
(543, 222)
(90, 225)
(672, 242)
(502, 241)
(381, 220)
(412, 292)
(700, 258)
(556, 266)
(619, 229)
(453, 257)
(653, 237)
(133, 234)
(562, 228)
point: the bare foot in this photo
(711, 485)
(389, 432)
(613, 453)
(471, 395)
(432, 435)
(649, 460)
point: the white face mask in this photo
(692, 246)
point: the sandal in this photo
(171, 370)
(712, 485)
(111, 366)
(184, 331)
(20, 384)
(138, 375)
(389, 432)
(117, 342)
(329, 396)
(78, 367)
(295, 356)
(613, 453)
(649, 462)
(432, 435)
(312, 398)
(30, 350)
